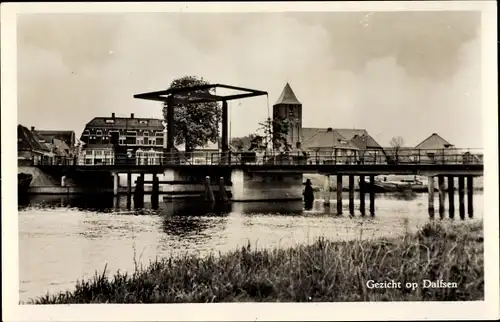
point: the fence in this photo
(378, 156)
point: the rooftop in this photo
(287, 96)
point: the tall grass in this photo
(323, 271)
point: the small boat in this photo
(23, 183)
(395, 184)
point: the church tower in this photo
(289, 108)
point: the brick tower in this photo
(289, 108)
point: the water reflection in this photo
(64, 238)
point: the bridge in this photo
(368, 162)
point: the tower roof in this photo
(287, 96)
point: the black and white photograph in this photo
(300, 153)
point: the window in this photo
(140, 141)
(159, 141)
(130, 140)
(88, 152)
(98, 133)
(98, 152)
(110, 121)
(143, 122)
(86, 132)
(146, 133)
(152, 141)
(121, 141)
(131, 133)
(89, 161)
(159, 134)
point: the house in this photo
(200, 155)
(113, 140)
(344, 145)
(60, 143)
(435, 149)
(29, 150)
(329, 145)
(68, 137)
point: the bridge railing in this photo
(393, 156)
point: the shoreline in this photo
(324, 271)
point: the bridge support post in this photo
(222, 190)
(339, 194)
(129, 184)
(461, 195)
(351, 195)
(441, 196)
(209, 195)
(451, 196)
(155, 192)
(372, 196)
(470, 192)
(326, 190)
(362, 195)
(116, 183)
(170, 127)
(139, 192)
(430, 192)
(225, 142)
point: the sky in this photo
(407, 74)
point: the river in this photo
(63, 239)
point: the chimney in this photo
(113, 115)
(131, 115)
(32, 128)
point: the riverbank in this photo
(323, 271)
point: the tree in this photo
(274, 135)
(396, 143)
(243, 143)
(194, 124)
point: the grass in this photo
(324, 271)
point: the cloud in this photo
(395, 74)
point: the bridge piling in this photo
(461, 201)
(362, 195)
(129, 184)
(372, 196)
(222, 190)
(116, 183)
(430, 193)
(470, 192)
(441, 196)
(339, 194)
(351, 195)
(451, 197)
(326, 191)
(209, 195)
(155, 192)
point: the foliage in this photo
(274, 135)
(194, 124)
(396, 143)
(241, 144)
(324, 271)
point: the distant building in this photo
(435, 149)
(68, 137)
(289, 108)
(345, 145)
(29, 150)
(113, 140)
(434, 142)
(60, 143)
